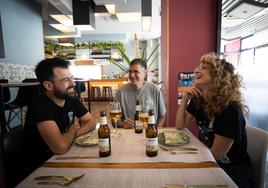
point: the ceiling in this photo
(233, 27)
(105, 23)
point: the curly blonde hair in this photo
(225, 86)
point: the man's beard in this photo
(65, 94)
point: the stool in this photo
(80, 88)
(107, 93)
(95, 93)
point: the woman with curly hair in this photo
(215, 101)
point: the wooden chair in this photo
(257, 149)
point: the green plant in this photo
(54, 46)
(150, 60)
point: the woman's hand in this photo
(191, 93)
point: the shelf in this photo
(84, 62)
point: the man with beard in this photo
(57, 117)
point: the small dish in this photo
(175, 138)
(89, 139)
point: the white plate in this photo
(181, 139)
(89, 139)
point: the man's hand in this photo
(74, 128)
(128, 123)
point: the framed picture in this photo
(185, 81)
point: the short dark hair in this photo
(138, 61)
(44, 69)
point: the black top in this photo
(43, 109)
(229, 123)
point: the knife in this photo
(178, 149)
(76, 157)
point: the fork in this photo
(63, 183)
(61, 180)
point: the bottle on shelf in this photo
(137, 123)
(151, 136)
(104, 136)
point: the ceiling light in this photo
(84, 27)
(77, 34)
(102, 14)
(63, 19)
(63, 28)
(129, 17)
(146, 23)
(110, 8)
(246, 8)
(231, 21)
(146, 13)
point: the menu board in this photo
(185, 81)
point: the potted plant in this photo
(149, 61)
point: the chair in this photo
(257, 149)
(107, 93)
(95, 93)
(6, 92)
(24, 95)
(13, 157)
(80, 88)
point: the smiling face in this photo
(137, 74)
(63, 83)
(202, 75)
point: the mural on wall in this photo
(16, 72)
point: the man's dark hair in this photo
(44, 69)
(138, 61)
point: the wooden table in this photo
(2, 109)
(128, 166)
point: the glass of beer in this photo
(115, 115)
(144, 114)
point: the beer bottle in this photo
(151, 136)
(137, 123)
(104, 136)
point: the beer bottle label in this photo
(138, 108)
(103, 120)
(104, 145)
(151, 120)
(151, 144)
(138, 125)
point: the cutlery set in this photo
(59, 180)
(179, 150)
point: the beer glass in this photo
(115, 115)
(144, 114)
